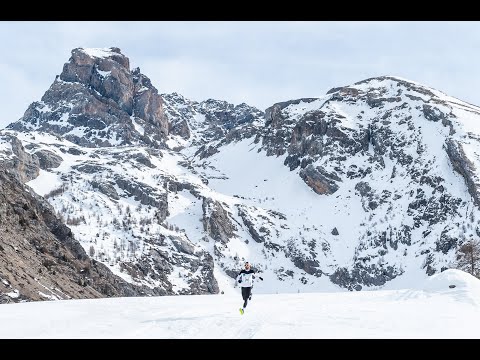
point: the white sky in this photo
(429, 310)
(256, 62)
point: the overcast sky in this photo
(259, 63)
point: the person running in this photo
(245, 280)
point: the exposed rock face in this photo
(22, 164)
(276, 121)
(368, 276)
(92, 68)
(181, 128)
(47, 159)
(463, 166)
(254, 233)
(216, 221)
(183, 245)
(148, 106)
(144, 160)
(205, 283)
(106, 188)
(206, 151)
(320, 181)
(107, 104)
(146, 195)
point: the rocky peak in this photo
(97, 101)
(84, 61)
(289, 123)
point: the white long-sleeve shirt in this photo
(245, 278)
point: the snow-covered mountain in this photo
(371, 183)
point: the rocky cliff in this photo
(98, 101)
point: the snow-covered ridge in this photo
(395, 81)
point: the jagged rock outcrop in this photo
(464, 167)
(254, 233)
(180, 128)
(183, 245)
(106, 188)
(205, 283)
(97, 101)
(216, 221)
(366, 276)
(319, 180)
(48, 159)
(21, 164)
(146, 195)
(206, 151)
(275, 121)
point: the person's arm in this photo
(239, 277)
(258, 276)
(237, 280)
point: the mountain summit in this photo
(98, 101)
(369, 186)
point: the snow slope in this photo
(431, 310)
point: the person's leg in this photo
(245, 294)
